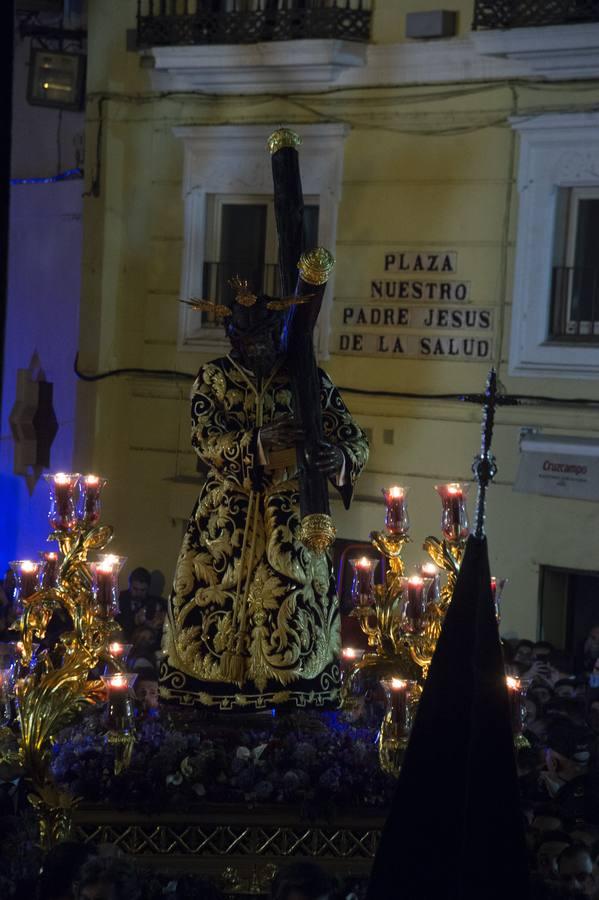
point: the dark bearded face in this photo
(255, 334)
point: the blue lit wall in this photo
(42, 317)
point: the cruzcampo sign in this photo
(559, 466)
(418, 308)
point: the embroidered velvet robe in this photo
(241, 569)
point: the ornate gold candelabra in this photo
(402, 617)
(54, 684)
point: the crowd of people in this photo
(558, 764)
(141, 620)
(75, 871)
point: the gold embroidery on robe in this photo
(237, 568)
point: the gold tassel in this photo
(232, 667)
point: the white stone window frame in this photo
(233, 159)
(556, 151)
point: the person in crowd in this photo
(541, 692)
(108, 879)
(137, 606)
(552, 844)
(542, 651)
(572, 711)
(569, 779)
(146, 692)
(590, 649)
(523, 653)
(144, 647)
(60, 870)
(546, 818)
(535, 725)
(565, 688)
(575, 870)
(303, 881)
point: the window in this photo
(555, 312)
(575, 285)
(241, 240)
(229, 216)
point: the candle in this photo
(48, 575)
(26, 580)
(352, 653)
(88, 505)
(430, 571)
(454, 518)
(517, 708)
(62, 506)
(27, 576)
(396, 517)
(415, 592)
(105, 585)
(362, 589)
(119, 706)
(397, 691)
(119, 653)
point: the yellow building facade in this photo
(421, 181)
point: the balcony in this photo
(532, 13)
(176, 23)
(552, 39)
(575, 304)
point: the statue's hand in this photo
(327, 458)
(280, 434)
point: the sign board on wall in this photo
(419, 309)
(559, 466)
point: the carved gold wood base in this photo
(240, 849)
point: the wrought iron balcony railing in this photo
(179, 22)
(575, 304)
(530, 13)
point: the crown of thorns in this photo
(244, 297)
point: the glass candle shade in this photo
(430, 571)
(349, 657)
(454, 517)
(362, 588)
(118, 653)
(396, 725)
(88, 502)
(48, 570)
(396, 517)
(517, 708)
(62, 500)
(119, 715)
(119, 650)
(415, 598)
(8, 676)
(497, 586)
(26, 581)
(105, 585)
(7, 690)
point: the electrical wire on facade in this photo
(465, 397)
